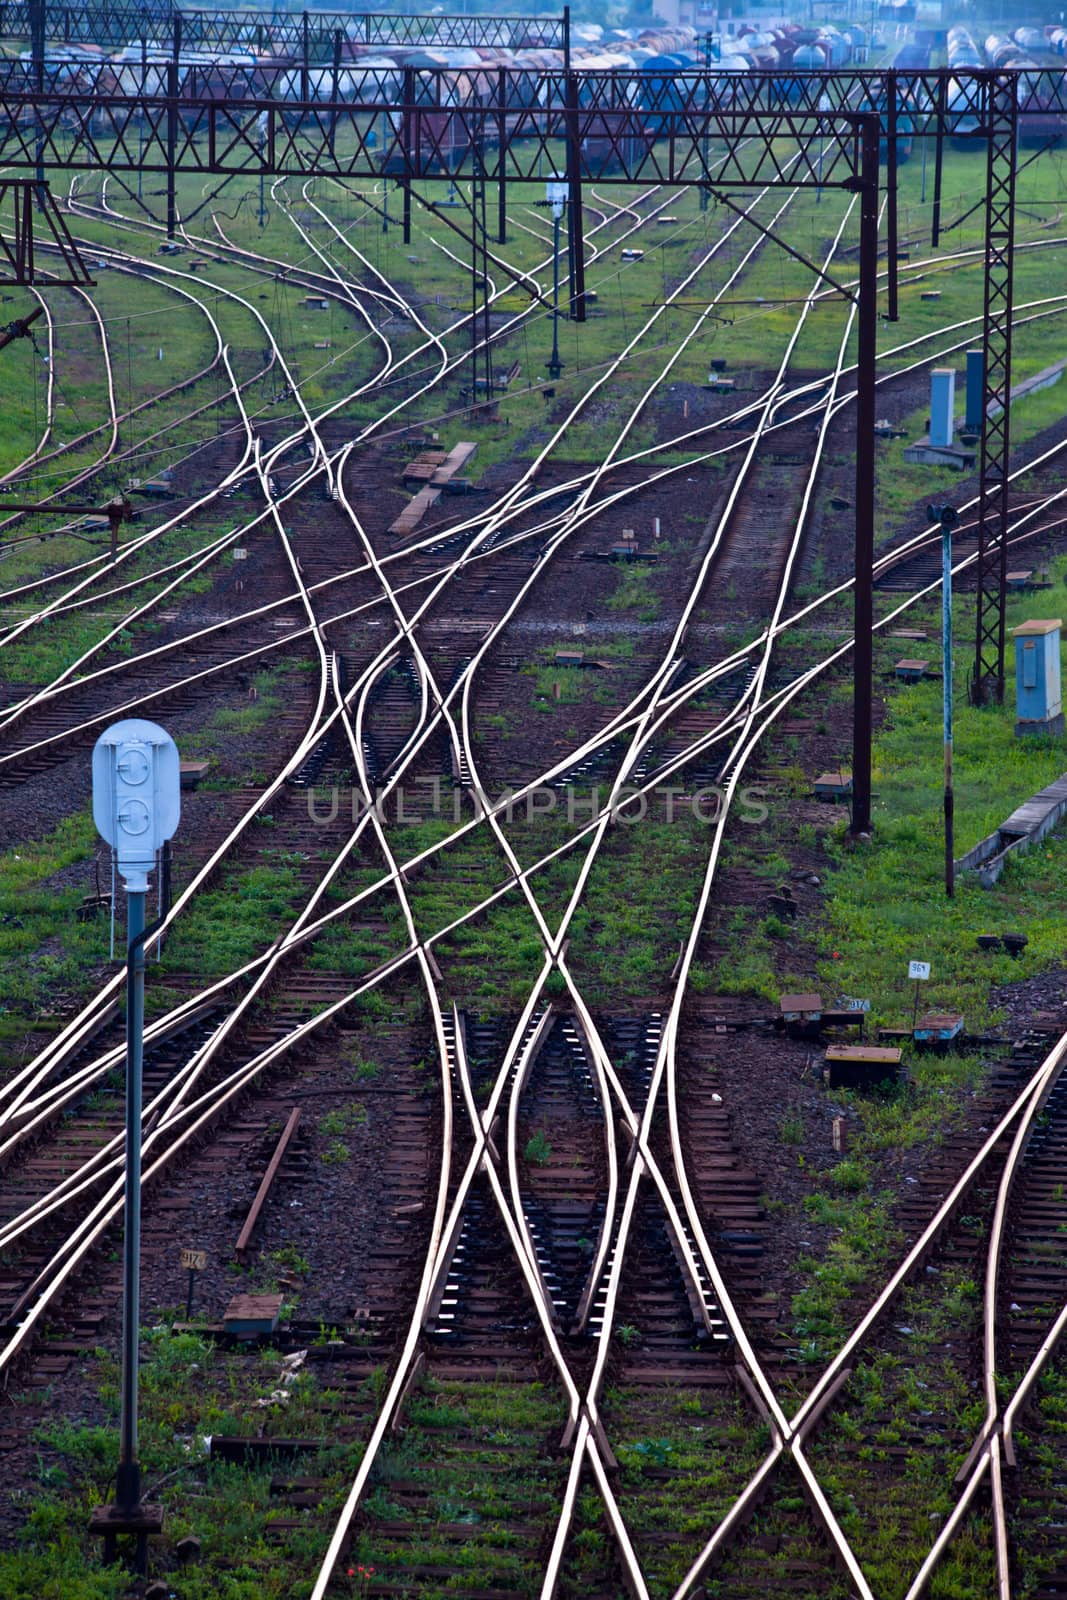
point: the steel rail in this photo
(825, 1508)
(341, 708)
(666, 1065)
(765, 1392)
(532, 1265)
(105, 559)
(290, 554)
(391, 966)
(395, 964)
(161, 1106)
(843, 588)
(49, 419)
(112, 423)
(123, 665)
(189, 568)
(123, 416)
(445, 1234)
(134, 546)
(175, 1100)
(985, 1450)
(517, 1079)
(553, 942)
(833, 1374)
(1043, 242)
(691, 752)
(901, 552)
(223, 543)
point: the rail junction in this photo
(550, 1214)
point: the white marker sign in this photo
(919, 970)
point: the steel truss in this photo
(283, 33)
(242, 134)
(987, 681)
(481, 365)
(225, 108)
(36, 221)
(708, 130)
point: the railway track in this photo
(560, 1174)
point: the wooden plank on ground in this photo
(415, 510)
(268, 1178)
(455, 461)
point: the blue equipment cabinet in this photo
(1038, 700)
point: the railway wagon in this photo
(961, 102)
(443, 131)
(913, 103)
(1043, 100)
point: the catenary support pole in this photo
(173, 89)
(338, 38)
(994, 453)
(867, 320)
(946, 702)
(555, 366)
(575, 227)
(892, 132)
(37, 38)
(411, 134)
(501, 159)
(939, 162)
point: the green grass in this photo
(481, 1457)
(486, 1454)
(47, 957)
(634, 592)
(900, 1431)
(189, 1388)
(353, 1115)
(229, 924)
(887, 904)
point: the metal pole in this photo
(37, 33)
(574, 199)
(891, 193)
(501, 146)
(987, 684)
(172, 128)
(922, 196)
(939, 157)
(409, 134)
(336, 78)
(946, 665)
(555, 366)
(140, 120)
(705, 198)
(128, 1479)
(867, 319)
